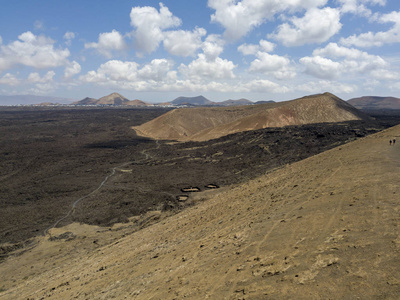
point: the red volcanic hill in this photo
(112, 99)
(204, 123)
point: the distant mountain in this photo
(231, 102)
(137, 102)
(264, 102)
(112, 99)
(195, 101)
(86, 101)
(31, 100)
(374, 102)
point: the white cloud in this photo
(378, 39)
(262, 86)
(354, 60)
(267, 46)
(183, 43)
(321, 67)
(386, 75)
(42, 88)
(359, 7)
(248, 49)
(35, 77)
(9, 79)
(317, 26)
(326, 85)
(68, 37)
(33, 51)
(39, 25)
(156, 70)
(347, 61)
(204, 68)
(252, 49)
(114, 70)
(265, 63)
(213, 46)
(128, 72)
(240, 17)
(108, 41)
(149, 25)
(268, 62)
(72, 69)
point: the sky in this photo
(222, 49)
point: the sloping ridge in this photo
(325, 227)
(375, 102)
(208, 123)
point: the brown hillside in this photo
(112, 99)
(373, 102)
(207, 123)
(324, 228)
(136, 102)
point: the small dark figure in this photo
(394, 141)
(390, 142)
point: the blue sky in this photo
(222, 49)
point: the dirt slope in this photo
(201, 124)
(327, 227)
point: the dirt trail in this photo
(327, 227)
(106, 178)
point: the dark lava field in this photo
(52, 158)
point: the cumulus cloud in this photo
(204, 68)
(33, 51)
(35, 77)
(114, 70)
(386, 75)
(359, 7)
(240, 17)
(68, 37)
(9, 79)
(321, 67)
(317, 26)
(156, 70)
(252, 49)
(183, 43)
(213, 46)
(129, 72)
(72, 69)
(149, 25)
(262, 86)
(333, 61)
(266, 62)
(108, 41)
(128, 75)
(378, 39)
(326, 85)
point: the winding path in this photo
(113, 171)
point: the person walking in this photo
(394, 141)
(390, 142)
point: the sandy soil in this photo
(326, 227)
